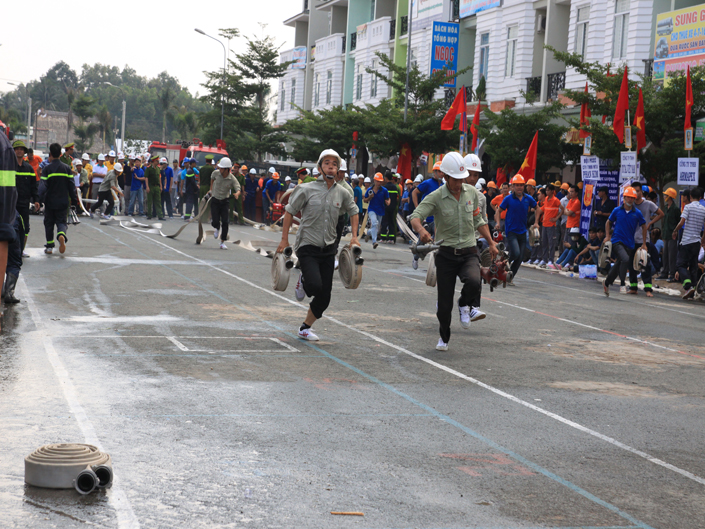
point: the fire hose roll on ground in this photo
(350, 266)
(281, 269)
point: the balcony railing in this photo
(404, 25)
(648, 67)
(392, 29)
(449, 95)
(353, 40)
(456, 10)
(556, 82)
(344, 42)
(533, 86)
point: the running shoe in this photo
(299, 291)
(441, 345)
(542, 263)
(25, 255)
(222, 246)
(375, 245)
(476, 314)
(623, 290)
(48, 251)
(464, 317)
(415, 263)
(689, 294)
(307, 334)
(215, 235)
(62, 244)
(90, 214)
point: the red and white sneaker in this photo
(308, 335)
(299, 291)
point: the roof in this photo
(301, 17)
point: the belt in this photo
(459, 251)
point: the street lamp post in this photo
(122, 123)
(225, 58)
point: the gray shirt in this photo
(222, 186)
(109, 182)
(320, 208)
(648, 210)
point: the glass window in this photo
(282, 96)
(512, 33)
(373, 81)
(317, 91)
(484, 54)
(329, 87)
(621, 26)
(581, 30)
(293, 93)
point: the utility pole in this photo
(408, 58)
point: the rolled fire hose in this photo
(350, 266)
(605, 253)
(67, 466)
(641, 259)
(281, 269)
(431, 273)
(534, 236)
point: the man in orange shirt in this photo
(34, 161)
(496, 201)
(549, 214)
(573, 209)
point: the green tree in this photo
(104, 119)
(85, 132)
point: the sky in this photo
(149, 36)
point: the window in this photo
(621, 33)
(329, 88)
(293, 93)
(414, 55)
(317, 91)
(358, 90)
(282, 96)
(484, 54)
(512, 33)
(581, 30)
(373, 81)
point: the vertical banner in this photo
(298, 55)
(688, 171)
(444, 49)
(609, 178)
(590, 169)
(627, 169)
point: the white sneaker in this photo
(542, 263)
(477, 314)
(623, 290)
(415, 263)
(222, 246)
(441, 345)
(25, 255)
(336, 264)
(464, 317)
(307, 334)
(299, 292)
(48, 250)
(215, 234)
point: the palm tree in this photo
(104, 118)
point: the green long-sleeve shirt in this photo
(154, 176)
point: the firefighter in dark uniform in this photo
(388, 231)
(239, 202)
(8, 201)
(55, 189)
(27, 189)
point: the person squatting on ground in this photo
(105, 191)
(27, 188)
(56, 188)
(320, 204)
(620, 229)
(8, 201)
(378, 199)
(692, 221)
(222, 183)
(456, 210)
(517, 205)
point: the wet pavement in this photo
(562, 409)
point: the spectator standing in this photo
(377, 199)
(100, 171)
(496, 202)
(670, 245)
(692, 221)
(603, 207)
(137, 188)
(166, 174)
(175, 185)
(651, 214)
(549, 215)
(251, 189)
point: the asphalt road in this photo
(561, 409)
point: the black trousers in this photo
(104, 195)
(191, 204)
(624, 257)
(166, 203)
(687, 264)
(251, 209)
(14, 250)
(55, 217)
(220, 214)
(645, 274)
(317, 267)
(388, 230)
(448, 267)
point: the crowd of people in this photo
(538, 225)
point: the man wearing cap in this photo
(154, 188)
(620, 227)
(670, 245)
(652, 214)
(406, 204)
(109, 184)
(422, 191)
(269, 195)
(27, 189)
(67, 157)
(377, 198)
(55, 189)
(137, 188)
(320, 204)
(121, 176)
(517, 204)
(81, 176)
(167, 180)
(110, 162)
(205, 172)
(456, 208)
(100, 171)
(223, 182)
(251, 188)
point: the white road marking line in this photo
(494, 390)
(176, 342)
(116, 496)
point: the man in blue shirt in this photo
(620, 229)
(269, 196)
(167, 175)
(137, 188)
(378, 199)
(357, 195)
(517, 205)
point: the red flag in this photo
(404, 163)
(459, 106)
(622, 107)
(528, 168)
(640, 124)
(585, 116)
(473, 127)
(688, 100)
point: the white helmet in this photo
(272, 170)
(287, 179)
(315, 171)
(77, 161)
(86, 156)
(418, 179)
(225, 163)
(112, 153)
(118, 167)
(478, 186)
(482, 181)
(101, 157)
(472, 162)
(367, 180)
(163, 160)
(343, 166)
(330, 152)
(253, 171)
(454, 166)
(121, 156)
